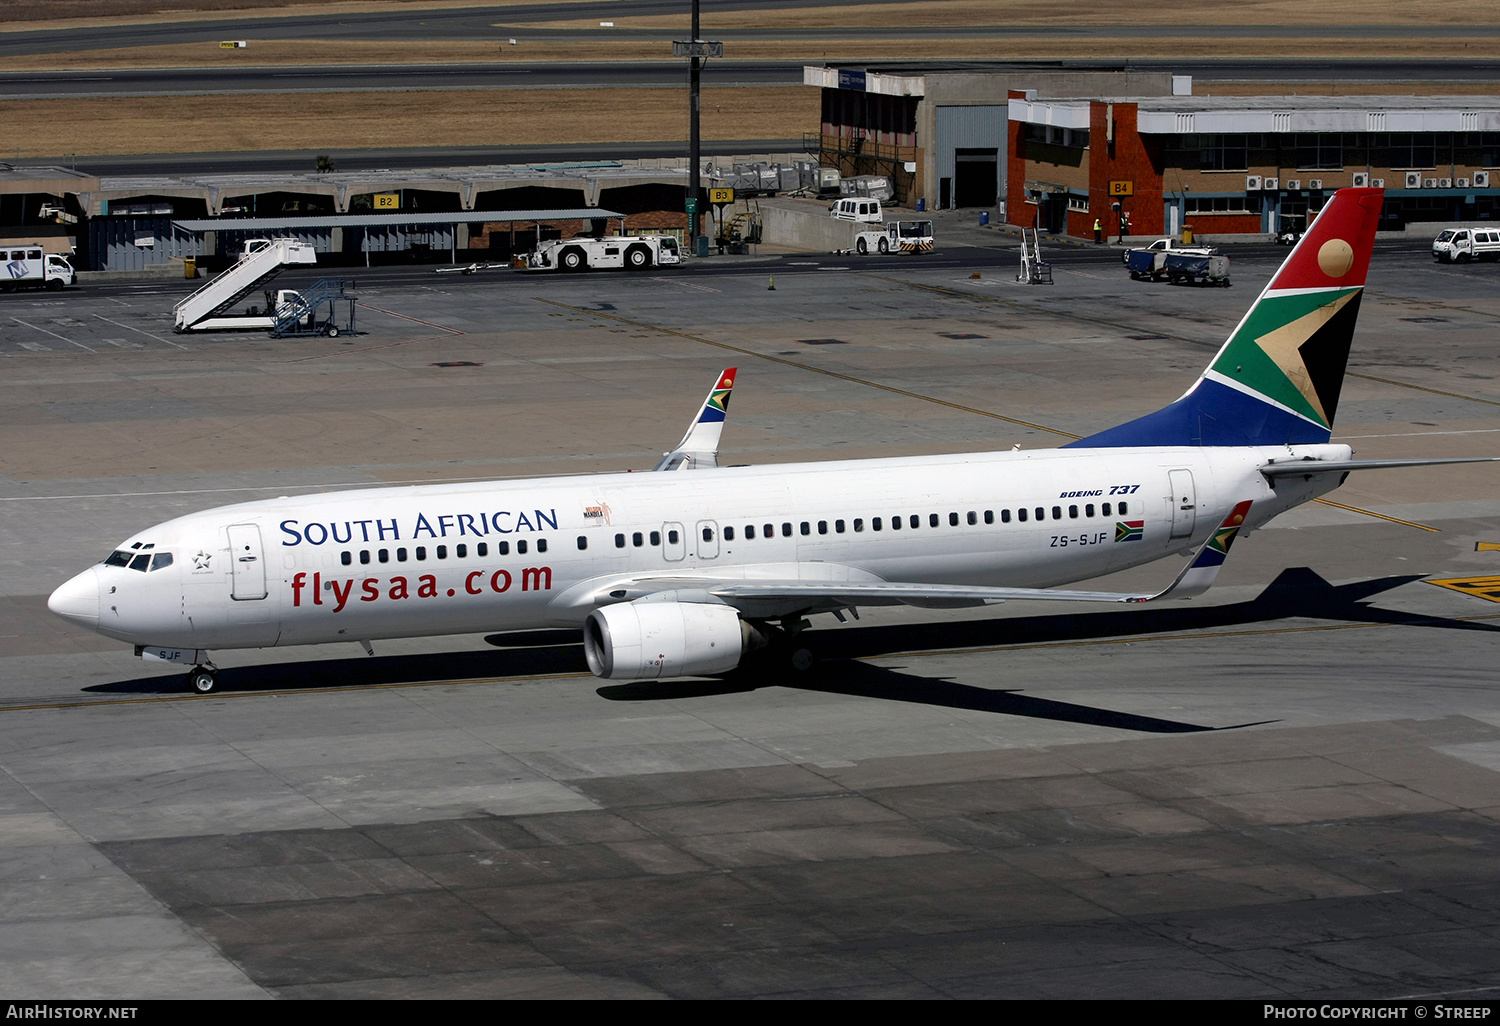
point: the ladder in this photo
(303, 316)
(242, 277)
(1034, 271)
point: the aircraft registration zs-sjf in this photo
(685, 574)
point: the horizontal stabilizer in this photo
(1306, 468)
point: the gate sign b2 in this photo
(387, 201)
(1119, 188)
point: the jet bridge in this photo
(204, 310)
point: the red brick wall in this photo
(1131, 158)
(1017, 211)
(1225, 224)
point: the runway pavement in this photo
(1289, 788)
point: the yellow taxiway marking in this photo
(1487, 546)
(1487, 588)
(1381, 516)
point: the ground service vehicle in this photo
(634, 252)
(1460, 245)
(857, 209)
(897, 237)
(27, 267)
(1151, 261)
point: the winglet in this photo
(699, 448)
(1200, 574)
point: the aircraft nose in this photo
(78, 600)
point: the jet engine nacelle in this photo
(663, 639)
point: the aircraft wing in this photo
(699, 448)
(787, 590)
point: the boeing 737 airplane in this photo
(684, 574)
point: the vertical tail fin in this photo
(1277, 379)
(699, 448)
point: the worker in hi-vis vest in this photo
(1098, 232)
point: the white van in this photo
(1460, 245)
(857, 208)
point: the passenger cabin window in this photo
(729, 534)
(932, 520)
(655, 538)
(502, 548)
(952, 519)
(442, 552)
(461, 551)
(1005, 516)
(583, 542)
(916, 521)
(364, 554)
(384, 555)
(989, 516)
(708, 534)
(786, 530)
(520, 548)
(1021, 514)
(874, 523)
(483, 548)
(822, 527)
(637, 539)
(541, 544)
(806, 528)
(838, 525)
(1073, 512)
(347, 558)
(672, 537)
(401, 555)
(620, 541)
(749, 530)
(859, 525)
(1105, 509)
(421, 552)
(1122, 510)
(1056, 512)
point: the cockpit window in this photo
(141, 562)
(119, 557)
(160, 560)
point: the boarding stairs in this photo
(305, 315)
(245, 276)
(1034, 270)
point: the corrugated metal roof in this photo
(266, 224)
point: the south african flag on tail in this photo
(1276, 381)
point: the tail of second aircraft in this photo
(1277, 379)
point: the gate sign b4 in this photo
(1122, 188)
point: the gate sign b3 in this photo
(721, 195)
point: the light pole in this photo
(697, 49)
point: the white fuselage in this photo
(451, 559)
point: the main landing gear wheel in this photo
(202, 680)
(801, 658)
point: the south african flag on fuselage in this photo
(1129, 530)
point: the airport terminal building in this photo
(1246, 164)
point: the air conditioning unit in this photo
(1315, 183)
(1413, 179)
(1361, 179)
(1429, 183)
(1462, 183)
(1252, 183)
(1445, 183)
(1481, 179)
(1377, 183)
(1270, 184)
(1293, 184)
